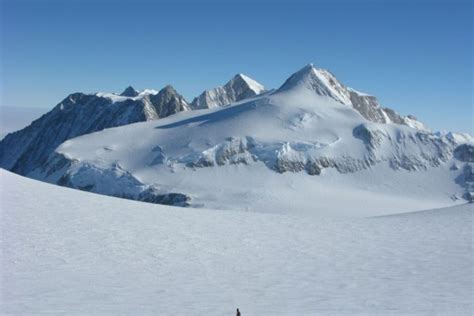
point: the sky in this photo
(415, 56)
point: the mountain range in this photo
(240, 146)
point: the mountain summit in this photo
(322, 82)
(129, 92)
(168, 101)
(238, 88)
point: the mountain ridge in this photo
(313, 125)
(240, 87)
(78, 114)
(256, 150)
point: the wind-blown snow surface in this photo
(65, 251)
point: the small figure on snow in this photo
(238, 312)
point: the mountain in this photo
(168, 102)
(324, 83)
(238, 88)
(297, 149)
(129, 92)
(80, 114)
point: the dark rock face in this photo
(372, 138)
(79, 114)
(466, 180)
(151, 195)
(168, 102)
(368, 107)
(113, 181)
(394, 116)
(238, 88)
(129, 92)
(465, 153)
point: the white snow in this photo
(69, 252)
(413, 123)
(118, 98)
(254, 85)
(359, 92)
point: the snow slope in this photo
(69, 252)
(300, 149)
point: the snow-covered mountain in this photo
(80, 114)
(299, 148)
(324, 83)
(238, 88)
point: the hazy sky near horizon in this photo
(415, 56)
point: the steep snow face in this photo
(238, 88)
(80, 114)
(319, 81)
(69, 252)
(290, 151)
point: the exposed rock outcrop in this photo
(238, 88)
(80, 114)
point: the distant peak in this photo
(308, 69)
(242, 77)
(169, 89)
(169, 92)
(251, 83)
(129, 92)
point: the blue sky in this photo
(415, 56)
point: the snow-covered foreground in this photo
(71, 252)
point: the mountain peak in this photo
(169, 89)
(252, 84)
(309, 67)
(168, 101)
(317, 80)
(238, 88)
(129, 92)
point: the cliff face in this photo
(80, 114)
(238, 88)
